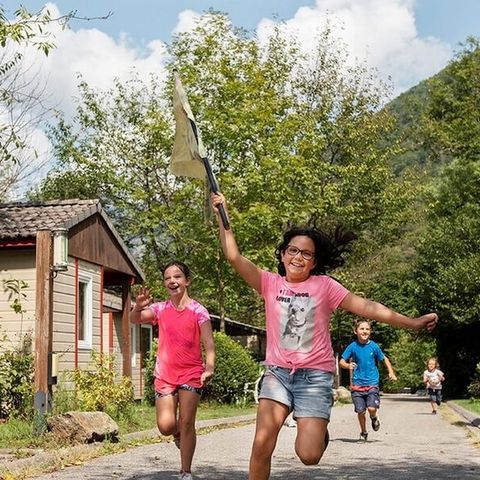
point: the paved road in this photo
(412, 444)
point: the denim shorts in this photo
(363, 399)
(307, 392)
(435, 395)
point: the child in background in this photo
(183, 325)
(433, 378)
(361, 357)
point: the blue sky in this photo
(143, 20)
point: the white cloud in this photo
(187, 20)
(97, 57)
(381, 32)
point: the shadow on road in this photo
(345, 470)
(354, 440)
(396, 470)
(406, 398)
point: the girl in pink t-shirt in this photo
(299, 301)
(183, 324)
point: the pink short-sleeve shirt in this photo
(298, 319)
(179, 355)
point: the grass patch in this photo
(470, 405)
(142, 417)
(17, 433)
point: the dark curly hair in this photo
(329, 247)
(182, 266)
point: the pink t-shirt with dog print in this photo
(298, 320)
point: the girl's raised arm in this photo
(245, 268)
(140, 313)
(376, 311)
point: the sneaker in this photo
(186, 476)
(434, 412)
(176, 440)
(439, 402)
(290, 422)
(375, 424)
(364, 436)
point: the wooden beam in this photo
(43, 317)
(126, 347)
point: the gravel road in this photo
(412, 444)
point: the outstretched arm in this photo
(376, 311)
(245, 268)
(391, 373)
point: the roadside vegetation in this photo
(100, 388)
(471, 404)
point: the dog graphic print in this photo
(296, 324)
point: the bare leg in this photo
(270, 418)
(372, 412)
(188, 403)
(166, 412)
(361, 420)
(310, 441)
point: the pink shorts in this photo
(163, 388)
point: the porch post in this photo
(126, 347)
(43, 324)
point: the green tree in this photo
(23, 99)
(291, 137)
(451, 118)
(408, 356)
(447, 270)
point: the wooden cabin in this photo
(73, 305)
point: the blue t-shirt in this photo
(365, 355)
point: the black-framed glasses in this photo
(306, 254)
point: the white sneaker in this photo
(186, 476)
(290, 422)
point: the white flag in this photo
(188, 150)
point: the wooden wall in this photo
(17, 265)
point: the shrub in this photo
(16, 384)
(474, 388)
(408, 355)
(100, 389)
(234, 366)
(149, 391)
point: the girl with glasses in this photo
(299, 302)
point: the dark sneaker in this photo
(439, 402)
(434, 412)
(375, 424)
(364, 436)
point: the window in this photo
(146, 334)
(133, 344)
(85, 313)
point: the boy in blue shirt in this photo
(361, 358)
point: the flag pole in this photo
(212, 181)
